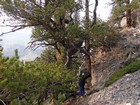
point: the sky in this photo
(20, 39)
(103, 9)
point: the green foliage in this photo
(102, 35)
(119, 9)
(29, 80)
(61, 98)
(75, 31)
(132, 67)
(48, 55)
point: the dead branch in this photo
(38, 43)
(16, 27)
(94, 13)
(3, 102)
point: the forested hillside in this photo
(71, 41)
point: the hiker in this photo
(83, 75)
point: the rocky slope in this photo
(104, 63)
(125, 91)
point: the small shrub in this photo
(103, 35)
(132, 67)
(24, 83)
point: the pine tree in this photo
(31, 82)
(123, 8)
(51, 22)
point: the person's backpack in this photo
(85, 73)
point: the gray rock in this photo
(125, 91)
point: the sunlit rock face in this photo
(123, 22)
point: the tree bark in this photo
(58, 52)
(70, 48)
(87, 43)
(128, 16)
(87, 40)
(94, 13)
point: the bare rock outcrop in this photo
(125, 91)
(104, 63)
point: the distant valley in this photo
(24, 54)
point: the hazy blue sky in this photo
(19, 40)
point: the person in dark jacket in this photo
(83, 75)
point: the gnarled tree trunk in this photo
(87, 43)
